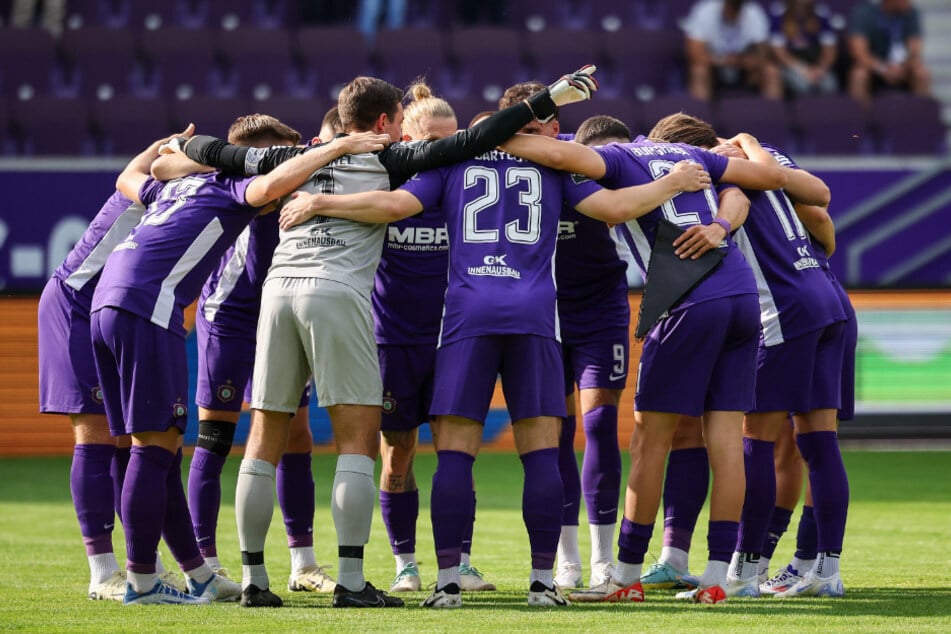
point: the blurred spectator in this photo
(370, 12)
(482, 11)
(727, 48)
(23, 14)
(804, 46)
(886, 46)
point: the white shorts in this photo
(316, 327)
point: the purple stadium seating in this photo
(657, 14)
(468, 107)
(48, 126)
(304, 115)
(554, 52)
(100, 59)
(485, 60)
(906, 124)
(656, 109)
(7, 142)
(768, 120)
(539, 15)
(259, 61)
(210, 115)
(640, 62)
(27, 61)
(178, 59)
(830, 124)
(330, 57)
(231, 14)
(405, 54)
(125, 125)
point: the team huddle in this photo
(412, 264)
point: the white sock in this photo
(568, 552)
(545, 576)
(763, 566)
(141, 582)
(447, 576)
(352, 499)
(714, 574)
(744, 566)
(213, 562)
(827, 565)
(465, 559)
(602, 543)
(403, 559)
(302, 557)
(101, 568)
(802, 566)
(159, 566)
(201, 574)
(674, 557)
(254, 507)
(625, 574)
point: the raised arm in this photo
(751, 175)
(377, 207)
(620, 205)
(175, 165)
(561, 155)
(818, 222)
(291, 174)
(135, 174)
(801, 186)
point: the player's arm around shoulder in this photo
(137, 172)
(560, 155)
(378, 207)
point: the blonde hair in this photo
(422, 108)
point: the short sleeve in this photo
(427, 187)
(238, 188)
(150, 190)
(576, 188)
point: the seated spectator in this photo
(804, 46)
(886, 47)
(727, 48)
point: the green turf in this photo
(896, 566)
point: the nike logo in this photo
(108, 527)
(614, 510)
(616, 377)
(400, 542)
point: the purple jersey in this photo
(640, 163)
(160, 267)
(231, 297)
(795, 295)
(81, 268)
(410, 281)
(502, 218)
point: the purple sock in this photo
(542, 500)
(177, 529)
(685, 490)
(807, 537)
(760, 495)
(204, 495)
(143, 505)
(469, 529)
(721, 537)
(295, 493)
(91, 485)
(120, 463)
(778, 523)
(568, 468)
(830, 486)
(601, 468)
(400, 512)
(449, 509)
(633, 540)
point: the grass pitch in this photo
(896, 564)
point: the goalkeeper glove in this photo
(570, 88)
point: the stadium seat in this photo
(101, 61)
(125, 125)
(258, 62)
(211, 115)
(907, 124)
(656, 109)
(330, 57)
(115, 14)
(405, 54)
(232, 14)
(553, 52)
(830, 124)
(468, 107)
(485, 61)
(658, 14)
(640, 62)
(49, 126)
(768, 120)
(304, 115)
(27, 62)
(7, 143)
(623, 109)
(177, 60)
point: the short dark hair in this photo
(261, 129)
(601, 127)
(332, 119)
(684, 128)
(479, 117)
(364, 99)
(520, 92)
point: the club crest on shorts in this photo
(389, 404)
(179, 410)
(97, 394)
(226, 393)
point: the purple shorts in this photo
(143, 372)
(600, 363)
(801, 374)
(530, 367)
(701, 358)
(68, 380)
(850, 335)
(407, 385)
